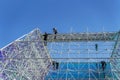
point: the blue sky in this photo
(18, 17)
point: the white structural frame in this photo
(30, 59)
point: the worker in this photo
(103, 65)
(55, 65)
(96, 47)
(55, 32)
(45, 38)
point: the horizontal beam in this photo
(106, 36)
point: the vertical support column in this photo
(115, 58)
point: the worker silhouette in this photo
(55, 65)
(55, 32)
(45, 38)
(103, 65)
(96, 47)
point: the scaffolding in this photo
(71, 56)
(78, 58)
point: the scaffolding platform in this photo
(101, 36)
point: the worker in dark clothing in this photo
(45, 38)
(55, 65)
(103, 65)
(96, 47)
(55, 32)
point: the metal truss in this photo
(25, 58)
(115, 58)
(102, 36)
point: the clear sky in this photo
(18, 17)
